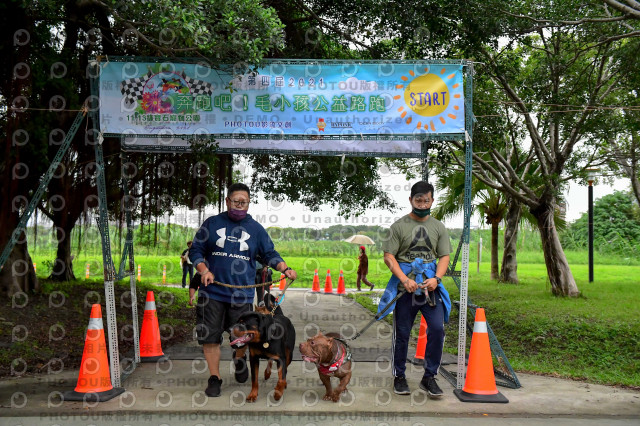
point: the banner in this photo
(286, 106)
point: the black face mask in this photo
(421, 212)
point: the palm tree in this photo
(492, 207)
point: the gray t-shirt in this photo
(410, 239)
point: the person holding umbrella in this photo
(363, 269)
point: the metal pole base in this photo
(92, 396)
(472, 397)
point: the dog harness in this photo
(343, 355)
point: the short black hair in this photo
(238, 187)
(422, 187)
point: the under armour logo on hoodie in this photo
(222, 233)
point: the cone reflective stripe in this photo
(341, 289)
(139, 272)
(164, 274)
(86, 271)
(94, 379)
(282, 282)
(34, 268)
(316, 282)
(150, 345)
(421, 347)
(328, 286)
(480, 382)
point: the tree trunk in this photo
(18, 274)
(63, 266)
(509, 270)
(494, 250)
(558, 271)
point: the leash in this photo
(431, 301)
(378, 315)
(280, 297)
(249, 285)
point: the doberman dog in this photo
(267, 336)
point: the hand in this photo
(430, 284)
(410, 285)
(192, 299)
(207, 278)
(291, 274)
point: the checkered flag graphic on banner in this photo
(132, 88)
(198, 87)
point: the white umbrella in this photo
(359, 239)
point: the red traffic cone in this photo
(282, 282)
(421, 347)
(480, 384)
(94, 379)
(315, 287)
(150, 346)
(328, 287)
(341, 289)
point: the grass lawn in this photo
(595, 337)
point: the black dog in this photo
(271, 337)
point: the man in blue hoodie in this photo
(225, 249)
(416, 242)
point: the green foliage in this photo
(616, 227)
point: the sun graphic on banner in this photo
(429, 96)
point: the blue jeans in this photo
(404, 315)
(186, 268)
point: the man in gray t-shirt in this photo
(418, 236)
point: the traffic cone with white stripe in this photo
(315, 286)
(480, 383)
(341, 289)
(328, 286)
(421, 347)
(94, 379)
(150, 346)
(282, 282)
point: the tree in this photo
(556, 80)
(616, 226)
(47, 47)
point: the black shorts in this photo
(214, 317)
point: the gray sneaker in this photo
(430, 386)
(400, 386)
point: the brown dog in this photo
(332, 358)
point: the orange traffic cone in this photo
(150, 346)
(94, 379)
(328, 287)
(315, 287)
(480, 384)
(341, 289)
(282, 282)
(421, 347)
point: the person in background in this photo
(263, 275)
(363, 269)
(187, 266)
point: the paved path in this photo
(172, 392)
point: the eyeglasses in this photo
(239, 203)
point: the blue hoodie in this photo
(230, 250)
